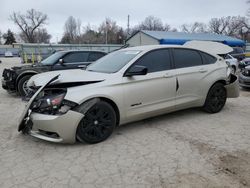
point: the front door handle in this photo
(81, 66)
(168, 75)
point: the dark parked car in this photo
(238, 53)
(244, 77)
(245, 62)
(16, 78)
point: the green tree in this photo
(9, 37)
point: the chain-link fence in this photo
(31, 53)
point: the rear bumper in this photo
(54, 128)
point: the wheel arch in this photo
(115, 107)
(109, 101)
(219, 81)
(25, 74)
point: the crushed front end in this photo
(50, 117)
(8, 79)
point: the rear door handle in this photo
(202, 70)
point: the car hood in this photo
(34, 67)
(68, 77)
(209, 46)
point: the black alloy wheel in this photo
(216, 98)
(97, 124)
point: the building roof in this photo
(180, 37)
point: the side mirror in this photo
(136, 70)
(61, 61)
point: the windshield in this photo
(113, 62)
(53, 58)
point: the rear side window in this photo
(157, 60)
(74, 57)
(93, 56)
(186, 58)
(208, 59)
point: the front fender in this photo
(30, 72)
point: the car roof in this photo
(151, 47)
(204, 47)
(81, 51)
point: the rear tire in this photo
(97, 124)
(216, 98)
(22, 85)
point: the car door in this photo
(153, 93)
(73, 60)
(191, 75)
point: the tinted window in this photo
(158, 60)
(74, 57)
(186, 58)
(208, 59)
(53, 58)
(93, 56)
(113, 62)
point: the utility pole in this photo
(128, 32)
(106, 38)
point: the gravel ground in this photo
(189, 148)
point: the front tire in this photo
(97, 124)
(216, 98)
(22, 85)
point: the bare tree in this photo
(72, 31)
(30, 22)
(219, 25)
(196, 27)
(235, 26)
(151, 23)
(111, 32)
(42, 36)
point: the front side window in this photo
(53, 58)
(113, 62)
(186, 58)
(155, 61)
(74, 57)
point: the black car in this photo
(244, 77)
(245, 62)
(15, 79)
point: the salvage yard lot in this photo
(189, 148)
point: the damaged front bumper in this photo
(54, 128)
(232, 87)
(60, 128)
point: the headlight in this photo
(51, 101)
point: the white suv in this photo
(125, 86)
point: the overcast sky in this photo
(93, 12)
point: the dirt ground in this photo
(189, 148)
